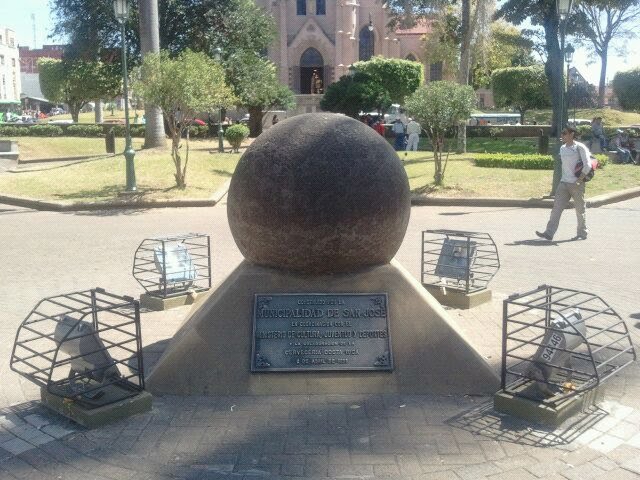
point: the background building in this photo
(10, 86)
(326, 36)
(32, 96)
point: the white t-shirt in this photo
(413, 127)
(570, 157)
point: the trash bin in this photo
(110, 141)
(543, 143)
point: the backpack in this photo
(578, 170)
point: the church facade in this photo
(318, 40)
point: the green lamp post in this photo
(564, 9)
(121, 9)
(218, 58)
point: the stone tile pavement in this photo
(320, 436)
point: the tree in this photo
(582, 95)
(603, 22)
(399, 78)
(255, 83)
(154, 134)
(626, 86)
(507, 48)
(439, 106)
(354, 94)
(200, 25)
(77, 82)
(181, 87)
(522, 88)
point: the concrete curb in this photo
(417, 200)
(116, 204)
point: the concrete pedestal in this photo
(210, 354)
(458, 299)
(544, 412)
(95, 417)
(151, 302)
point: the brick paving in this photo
(317, 436)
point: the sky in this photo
(16, 14)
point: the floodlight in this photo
(174, 263)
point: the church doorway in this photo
(311, 72)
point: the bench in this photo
(9, 149)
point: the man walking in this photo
(413, 130)
(571, 186)
(398, 131)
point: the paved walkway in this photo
(320, 436)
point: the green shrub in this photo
(235, 134)
(198, 131)
(137, 131)
(584, 132)
(494, 132)
(84, 131)
(46, 131)
(603, 159)
(510, 160)
(11, 131)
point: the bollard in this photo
(110, 141)
(543, 143)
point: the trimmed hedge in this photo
(137, 131)
(524, 161)
(10, 131)
(84, 131)
(45, 131)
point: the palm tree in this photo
(150, 42)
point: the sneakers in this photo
(544, 235)
(579, 237)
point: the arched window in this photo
(301, 7)
(411, 57)
(311, 58)
(366, 43)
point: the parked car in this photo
(60, 122)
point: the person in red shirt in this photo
(379, 127)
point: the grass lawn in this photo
(103, 179)
(463, 179)
(90, 117)
(36, 148)
(610, 117)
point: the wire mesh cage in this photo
(84, 346)
(558, 342)
(465, 261)
(168, 266)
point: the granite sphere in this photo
(319, 193)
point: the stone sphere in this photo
(319, 193)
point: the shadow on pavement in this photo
(539, 243)
(485, 421)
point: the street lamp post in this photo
(564, 9)
(568, 58)
(121, 9)
(218, 57)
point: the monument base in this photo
(211, 353)
(98, 416)
(457, 298)
(159, 304)
(541, 411)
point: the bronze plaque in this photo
(318, 331)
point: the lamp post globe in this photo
(568, 53)
(121, 10)
(564, 8)
(217, 55)
(370, 24)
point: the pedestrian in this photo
(274, 120)
(597, 132)
(413, 130)
(398, 131)
(621, 142)
(379, 127)
(570, 186)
